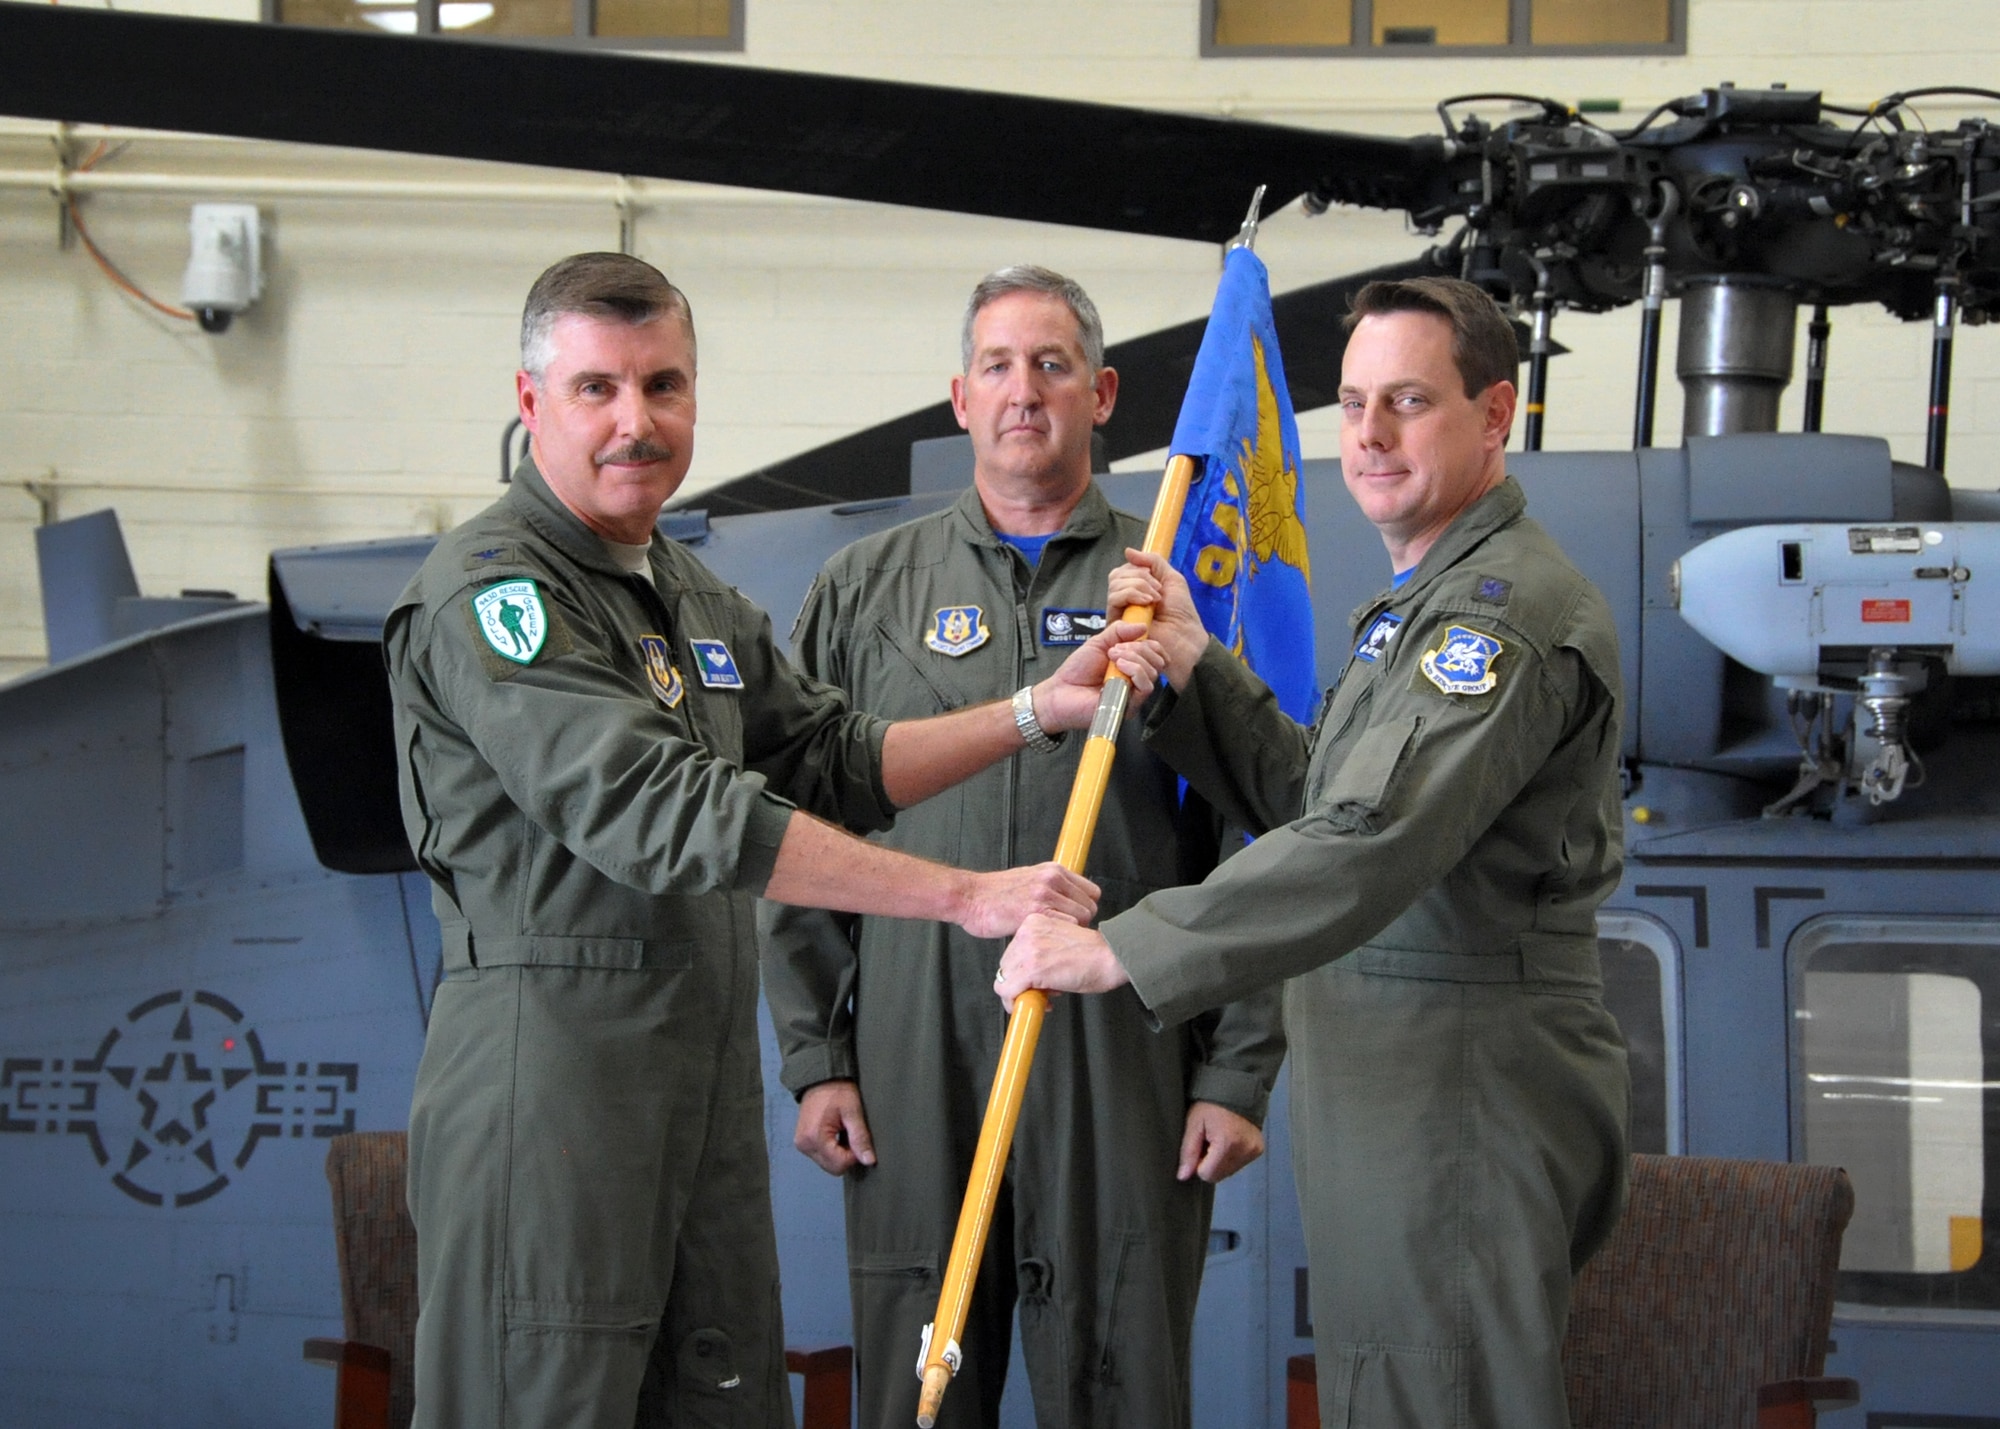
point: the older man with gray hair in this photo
(889, 1029)
(604, 760)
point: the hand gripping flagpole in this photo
(938, 1359)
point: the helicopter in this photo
(1801, 953)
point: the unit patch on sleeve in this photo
(1462, 664)
(512, 619)
(1375, 642)
(1070, 627)
(715, 665)
(660, 671)
(957, 629)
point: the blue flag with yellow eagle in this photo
(1242, 542)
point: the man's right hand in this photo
(832, 1129)
(996, 904)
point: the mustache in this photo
(633, 452)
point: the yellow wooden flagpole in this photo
(939, 1359)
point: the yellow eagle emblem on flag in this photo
(1271, 485)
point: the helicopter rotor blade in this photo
(1153, 373)
(965, 151)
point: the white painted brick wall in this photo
(365, 396)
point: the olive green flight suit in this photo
(1103, 1247)
(588, 1172)
(1437, 849)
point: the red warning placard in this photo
(1885, 612)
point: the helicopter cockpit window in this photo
(1239, 27)
(1898, 1055)
(1642, 989)
(681, 24)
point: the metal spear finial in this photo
(1246, 236)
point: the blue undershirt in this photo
(1029, 546)
(1401, 578)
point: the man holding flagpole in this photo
(1433, 855)
(888, 1028)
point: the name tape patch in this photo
(715, 665)
(1071, 627)
(1376, 640)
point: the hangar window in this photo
(679, 24)
(1642, 989)
(1458, 27)
(1897, 1052)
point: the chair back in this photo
(1719, 1279)
(377, 1247)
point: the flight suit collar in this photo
(1497, 509)
(530, 497)
(1090, 519)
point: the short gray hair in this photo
(612, 286)
(1028, 278)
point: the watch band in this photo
(1031, 729)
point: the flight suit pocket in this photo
(1361, 787)
(1378, 1386)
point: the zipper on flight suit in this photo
(1024, 648)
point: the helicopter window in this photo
(1898, 1052)
(702, 24)
(1420, 26)
(1642, 989)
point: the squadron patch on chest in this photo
(513, 620)
(715, 665)
(1375, 643)
(1070, 627)
(660, 671)
(1462, 663)
(957, 629)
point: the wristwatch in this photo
(1031, 729)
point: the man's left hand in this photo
(1217, 1143)
(1068, 698)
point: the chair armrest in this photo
(829, 1388)
(345, 1352)
(1796, 1403)
(361, 1387)
(1301, 1392)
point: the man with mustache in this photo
(604, 760)
(1432, 857)
(888, 1028)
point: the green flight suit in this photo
(1437, 849)
(1102, 1246)
(597, 800)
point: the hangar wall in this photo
(366, 395)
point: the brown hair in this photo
(1482, 340)
(612, 286)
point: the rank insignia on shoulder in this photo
(1381, 631)
(715, 665)
(1495, 591)
(512, 619)
(1462, 664)
(1070, 627)
(660, 671)
(957, 629)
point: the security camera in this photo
(225, 272)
